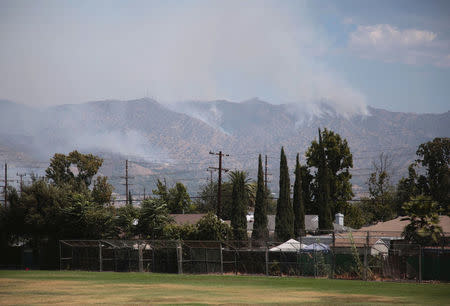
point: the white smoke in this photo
(249, 48)
(197, 51)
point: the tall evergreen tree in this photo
(298, 205)
(239, 205)
(307, 191)
(260, 231)
(284, 221)
(323, 200)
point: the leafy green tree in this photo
(260, 230)
(153, 217)
(407, 188)
(125, 219)
(332, 153)
(180, 232)
(42, 203)
(161, 191)
(284, 220)
(208, 199)
(212, 228)
(380, 204)
(178, 199)
(354, 216)
(298, 206)
(82, 218)
(435, 157)
(423, 214)
(59, 170)
(102, 191)
(100, 222)
(239, 204)
(12, 219)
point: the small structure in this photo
(291, 245)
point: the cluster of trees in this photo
(428, 180)
(69, 203)
(321, 187)
(61, 204)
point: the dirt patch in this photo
(14, 291)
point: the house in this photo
(311, 225)
(183, 219)
(379, 236)
(394, 228)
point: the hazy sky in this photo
(389, 54)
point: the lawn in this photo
(49, 287)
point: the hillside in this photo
(176, 140)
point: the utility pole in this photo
(219, 185)
(265, 173)
(126, 180)
(6, 184)
(21, 175)
(126, 177)
(144, 193)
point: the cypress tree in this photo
(323, 201)
(260, 231)
(239, 205)
(284, 221)
(298, 205)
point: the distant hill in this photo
(177, 139)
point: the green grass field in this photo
(73, 287)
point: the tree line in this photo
(69, 203)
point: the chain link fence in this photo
(349, 255)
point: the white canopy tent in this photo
(291, 245)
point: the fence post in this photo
(333, 268)
(267, 260)
(420, 263)
(235, 262)
(60, 265)
(115, 259)
(366, 246)
(300, 256)
(206, 260)
(141, 260)
(153, 256)
(221, 259)
(100, 259)
(180, 257)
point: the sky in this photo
(349, 54)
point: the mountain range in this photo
(174, 140)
